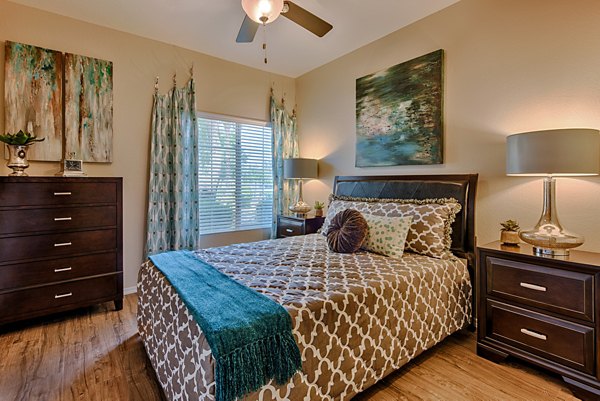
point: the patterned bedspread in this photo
(357, 317)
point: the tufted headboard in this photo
(461, 187)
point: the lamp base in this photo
(550, 240)
(300, 207)
(548, 237)
(550, 252)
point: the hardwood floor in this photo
(96, 354)
(92, 354)
(453, 371)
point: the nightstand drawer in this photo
(567, 343)
(561, 291)
(50, 219)
(289, 228)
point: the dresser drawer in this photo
(55, 297)
(289, 228)
(57, 193)
(567, 343)
(561, 291)
(36, 273)
(57, 245)
(54, 219)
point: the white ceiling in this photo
(211, 26)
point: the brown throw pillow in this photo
(347, 231)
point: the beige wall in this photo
(221, 87)
(510, 66)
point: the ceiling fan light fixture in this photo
(262, 11)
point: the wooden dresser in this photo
(61, 244)
(542, 310)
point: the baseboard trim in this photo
(130, 290)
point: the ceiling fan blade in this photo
(306, 19)
(247, 31)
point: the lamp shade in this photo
(566, 152)
(299, 168)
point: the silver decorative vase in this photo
(548, 237)
(18, 159)
(300, 207)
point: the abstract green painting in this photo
(33, 89)
(88, 108)
(399, 114)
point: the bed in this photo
(355, 317)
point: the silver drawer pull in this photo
(289, 230)
(533, 287)
(534, 334)
(63, 244)
(68, 294)
(62, 219)
(64, 269)
(62, 194)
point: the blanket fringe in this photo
(250, 367)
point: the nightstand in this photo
(289, 226)
(541, 310)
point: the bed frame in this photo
(461, 187)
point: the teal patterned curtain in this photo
(173, 189)
(285, 145)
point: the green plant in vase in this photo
(509, 233)
(21, 138)
(17, 147)
(319, 208)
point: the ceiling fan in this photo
(262, 12)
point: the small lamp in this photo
(552, 153)
(299, 169)
(262, 11)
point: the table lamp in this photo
(553, 153)
(299, 169)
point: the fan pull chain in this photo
(264, 46)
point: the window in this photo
(235, 174)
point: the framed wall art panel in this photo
(88, 108)
(33, 90)
(399, 114)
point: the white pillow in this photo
(387, 235)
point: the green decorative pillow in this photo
(387, 235)
(347, 231)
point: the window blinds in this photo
(235, 177)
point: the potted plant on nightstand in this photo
(509, 233)
(319, 208)
(17, 147)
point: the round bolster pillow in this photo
(347, 231)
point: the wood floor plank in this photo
(467, 366)
(95, 354)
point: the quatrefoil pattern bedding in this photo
(356, 317)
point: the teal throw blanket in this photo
(250, 335)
